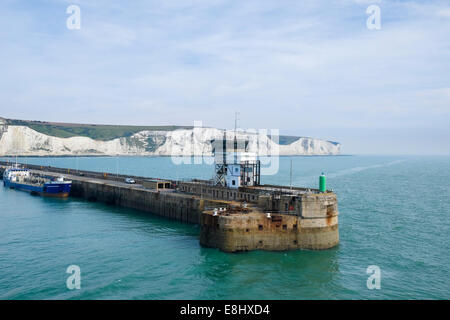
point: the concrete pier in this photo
(111, 189)
(249, 218)
(316, 228)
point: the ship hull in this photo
(56, 190)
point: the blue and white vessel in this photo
(25, 180)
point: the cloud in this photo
(103, 33)
(282, 65)
(444, 13)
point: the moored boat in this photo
(24, 180)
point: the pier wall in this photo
(109, 189)
(317, 228)
(164, 203)
(219, 192)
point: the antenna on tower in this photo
(290, 180)
(235, 136)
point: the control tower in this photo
(234, 166)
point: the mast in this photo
(235, 137)
(290, 183)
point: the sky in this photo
(309, 68)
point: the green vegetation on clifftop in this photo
(94, 131)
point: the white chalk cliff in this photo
(22, 140)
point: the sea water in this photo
(394, 214)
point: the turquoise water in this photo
(394, 213)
